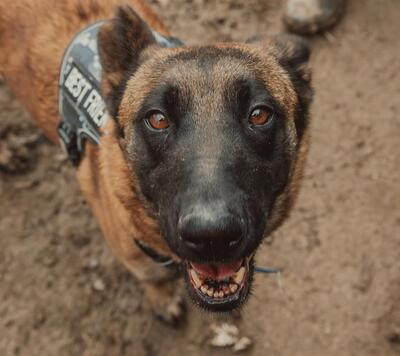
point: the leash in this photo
(267, 270)
(166, 261)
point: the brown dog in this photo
(203, 151)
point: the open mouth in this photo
(220, 287)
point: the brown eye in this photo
(158, 121)
(260, 116)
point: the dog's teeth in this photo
(238, 278)
(223, 290)
(226, 289)
(233, 287)
(195, 278)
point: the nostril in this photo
(200, 232)
(191, 242)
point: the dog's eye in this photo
(158, 121)
(260, 116)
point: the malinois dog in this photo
(200, 149)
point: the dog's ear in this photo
(293, 54)
(291, 51)
(121, 42)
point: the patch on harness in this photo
(85, 96)
(82, 109)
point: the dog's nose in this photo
(212, 233)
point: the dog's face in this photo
(212, 137)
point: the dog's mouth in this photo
(219, 287)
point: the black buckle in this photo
(68, 140)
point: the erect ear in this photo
(292, 53)
(121, 42)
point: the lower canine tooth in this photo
(238, 278)
(195, 278)
(233, 287)
(203, 289)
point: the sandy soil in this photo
(62, 293)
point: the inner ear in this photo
(120, 43)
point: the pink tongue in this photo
(217, 272)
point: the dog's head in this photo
(213, 136)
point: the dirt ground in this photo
(62, 293)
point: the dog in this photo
(201, 151)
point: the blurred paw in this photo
(167, 301)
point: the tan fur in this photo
(33, 37)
